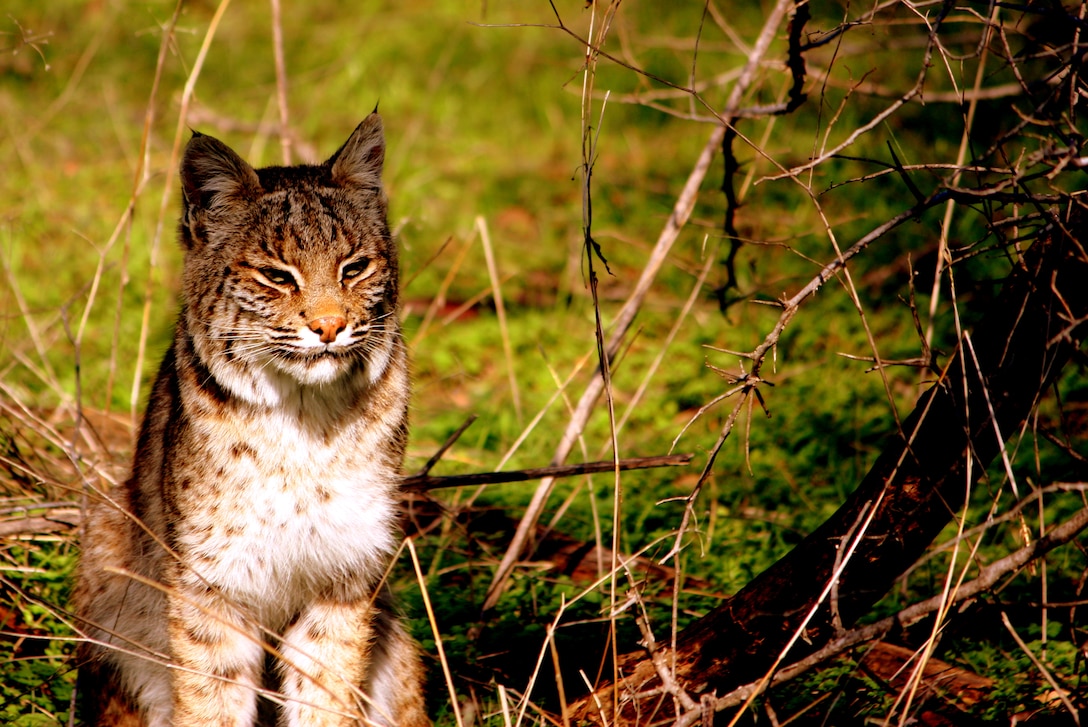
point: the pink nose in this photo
(328, 327)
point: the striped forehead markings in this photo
(330, 210)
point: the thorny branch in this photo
(795, 62)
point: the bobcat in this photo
(244, 555)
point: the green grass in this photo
(483, 121)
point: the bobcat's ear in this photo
(358, 163)
(212, 173)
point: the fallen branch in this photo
(431, 482)
(67, 516)
(58, 520)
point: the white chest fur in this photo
(287, 513)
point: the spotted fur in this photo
(246, 550)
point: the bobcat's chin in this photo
(317, 370)
(333, 367)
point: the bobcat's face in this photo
(290, 270)
(306, 291)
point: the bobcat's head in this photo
(290, 272)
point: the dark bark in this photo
(916, 486)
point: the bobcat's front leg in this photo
(218, 656)
(325, 656)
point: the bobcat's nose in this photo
(328, 327)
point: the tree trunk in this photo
(915, 488)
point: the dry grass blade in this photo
(500, 311)
(281, 80)
(164, 203)
(454, 703)
(1060, 691)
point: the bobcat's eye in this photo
(356, 270)
(278, 277)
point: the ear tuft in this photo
(211, 171)
(358, 163)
